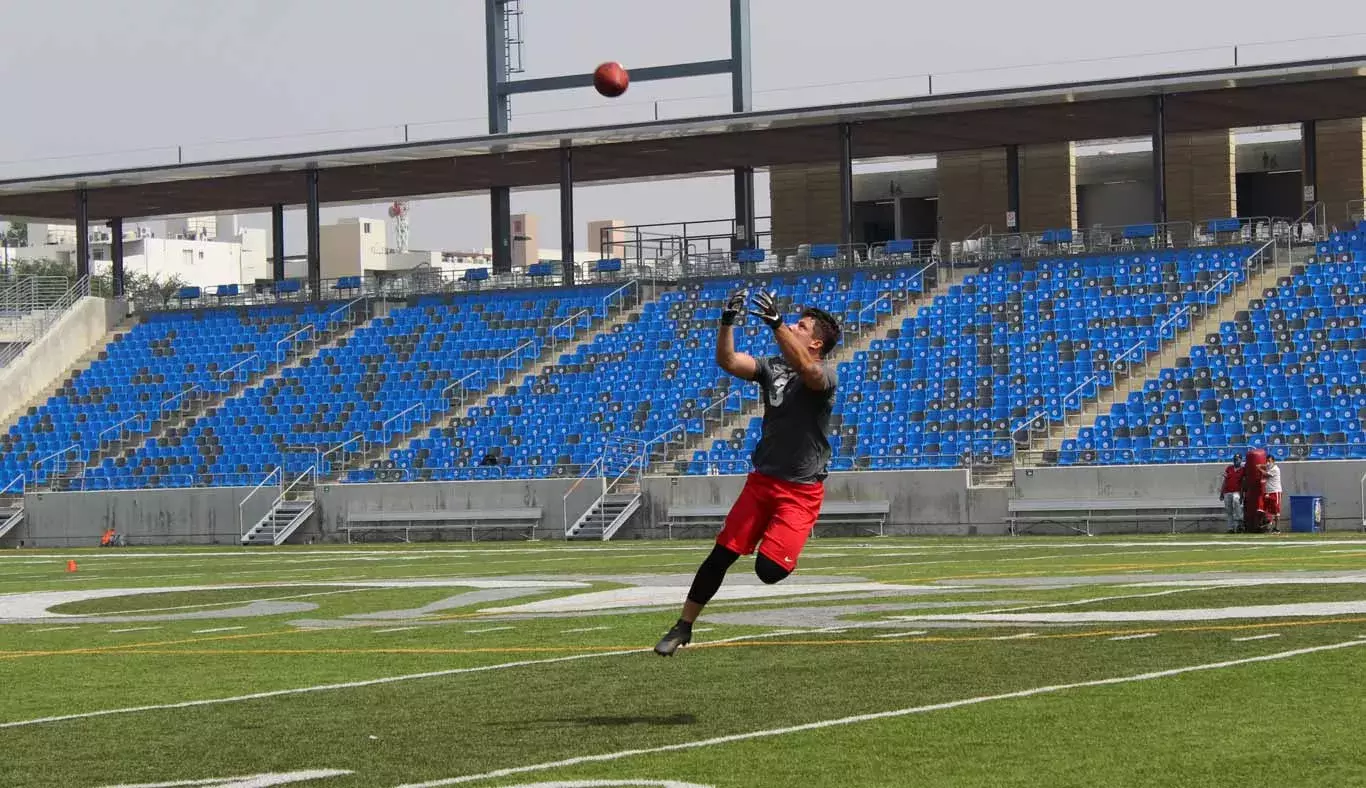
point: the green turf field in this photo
(884, 662)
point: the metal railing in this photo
(19, 483)
(241, 506)
(287, 346)
(593, 471)
(36, 322)
(464, 402)
(556, 342)
(60, 453)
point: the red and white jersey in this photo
(1273, 478)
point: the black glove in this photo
(766, 309)
(734, 304)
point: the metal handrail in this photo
(51, 456)
(162, 407)
(100, 436)
(554, 340)
(22, 484)
(241, 506)
(51, 314)
(460, 383)
(606, 307)
(1363, 501)
(858, 323)
(415, 406)
(281, 355)
(220, 375)
(564, 502)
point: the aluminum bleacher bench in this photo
(404, 523)
(1079, 513)
(870, 516)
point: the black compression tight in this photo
(713, 570)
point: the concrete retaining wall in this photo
(922, 502)
(48, 358)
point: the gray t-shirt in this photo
(796, 419)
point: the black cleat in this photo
(678, 635)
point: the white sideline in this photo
(372, 682)
(881, 715)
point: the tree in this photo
(17, 234)
(157, 288)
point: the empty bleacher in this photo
(1289, 373)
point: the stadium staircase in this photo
(1275, 264)
(294, 507)
(622, 307)
(11, 505)
(302, 346)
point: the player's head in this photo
(820, 330)
(1237, 461)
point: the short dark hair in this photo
(824, 327)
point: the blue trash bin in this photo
(1306, 514)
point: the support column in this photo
(1160, 159)
(567, 215)
(82, 234)
(972, 193)
(1202, 176)
(1048, 185)
(1012, 188)
(804, 203)
(315, 266)
(846, 185)
(500, 210)
(277, 240)
(116, 255)
(1309, 167)
(741, 101)
(500, 198)
(1340, 148)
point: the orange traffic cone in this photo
(70, 566)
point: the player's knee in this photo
(768, 570)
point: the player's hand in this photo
(734, 304)
(766, 309)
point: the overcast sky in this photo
(124, 82)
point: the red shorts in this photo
(1271, 504)
(777, 513)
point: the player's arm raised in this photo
(807, 366)
(741, 365)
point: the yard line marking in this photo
(218, 629)
(490, 629)
(588, 629)
(904, 634)
(1088, 601)
(708, 629)
(54, 629)
(881, 715)
(373, 682)
(1136, 637)
(1257, 637)
(132, 629)
(396, 629)
(1020, 636)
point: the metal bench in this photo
(870, 516)
(1069, 512)
(404, 523)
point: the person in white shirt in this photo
(1271, 499)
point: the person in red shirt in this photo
(1231, 493)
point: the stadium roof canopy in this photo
(1193, 101)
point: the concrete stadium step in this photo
(1179, 347)
(283, 519)
(581, 339)
(605, 517)
(901, 311)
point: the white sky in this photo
(124, 82)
